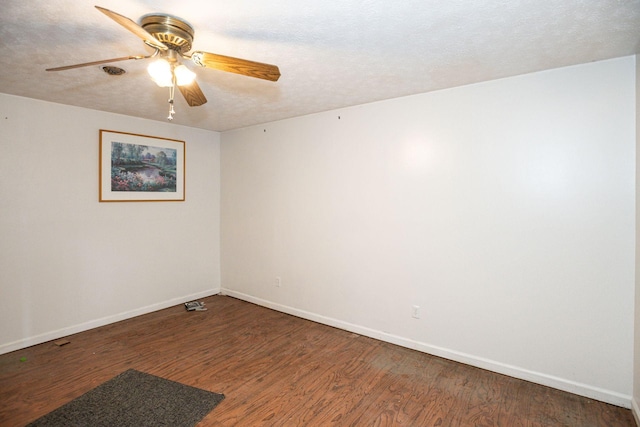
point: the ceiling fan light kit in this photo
(167, 71)
(172, 39)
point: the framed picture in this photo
(140, 168)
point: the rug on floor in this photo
(135, 399)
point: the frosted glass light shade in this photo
(160, 72)
(184, 76)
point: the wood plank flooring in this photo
(279, 370)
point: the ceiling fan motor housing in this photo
(173, 32)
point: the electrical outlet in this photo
(278, 281)
(415, 311)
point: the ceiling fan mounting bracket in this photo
(170, 30)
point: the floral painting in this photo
(140, 168)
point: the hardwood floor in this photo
(279, 370)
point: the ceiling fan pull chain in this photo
(172, 90)
(171, 110)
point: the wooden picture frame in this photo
(140, 168)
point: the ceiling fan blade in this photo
(87, 64)
(236, 65)
(193, 94)
(134, 28)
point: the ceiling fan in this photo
(172, 37)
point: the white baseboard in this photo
(636, 411)
(585, 390)
(59, 333)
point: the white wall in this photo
(505, 210)
(68, 262)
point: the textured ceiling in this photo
(331, 53)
